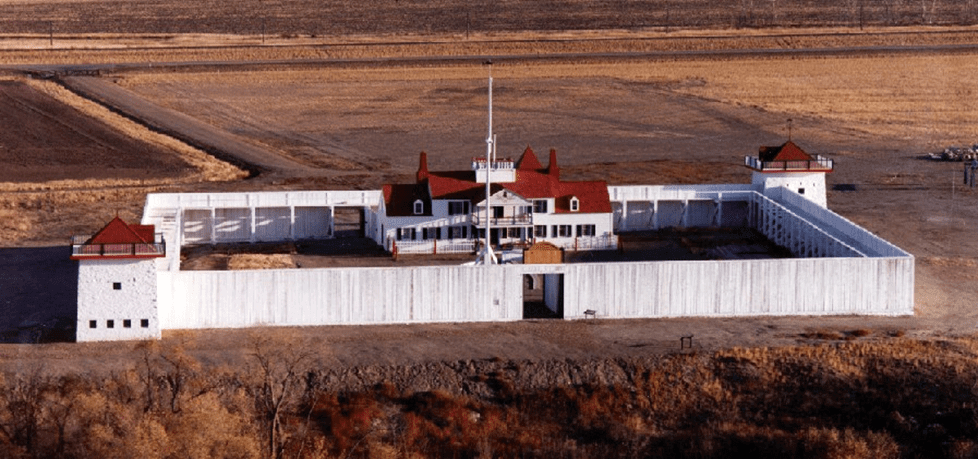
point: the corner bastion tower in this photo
(790, 167)
(117, 282)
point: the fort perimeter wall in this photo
(825, 286)
(854, 272)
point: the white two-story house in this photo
(529, 203)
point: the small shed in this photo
(543, 253)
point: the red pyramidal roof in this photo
(118, 239)
(528, 161)
(118, 231)
(787, 152)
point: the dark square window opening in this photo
(109, 324)
(126, 323)
(92, 324)
(144, 323)
(540, 206)
(801, 191)
(117, 286)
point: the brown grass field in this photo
(838, 387)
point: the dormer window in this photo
(418, 207)
(575, 204)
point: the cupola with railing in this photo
(788, 166)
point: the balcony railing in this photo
(480, 163)
(79, 249)
(433, 246)
(523, 219)
(819, 164)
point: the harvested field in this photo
(57, 142)
(339, 17)
(69, 156)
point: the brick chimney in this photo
(423, 168)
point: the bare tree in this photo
(279, 368)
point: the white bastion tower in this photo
(117, 283)
(790, 167)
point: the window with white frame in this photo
(540, 206)
(458, 207)
(406, 234)
(585, 230)
(515, 232)
(418, 207)
(457, 232)
(564, 230)
(575, 204)
(540, 231)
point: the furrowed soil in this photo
(787, 386)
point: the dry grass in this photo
(260, 261)
(905, 97)
(891, 96)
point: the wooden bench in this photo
(590, 313)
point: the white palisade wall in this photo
(231, 299)
(826, 286)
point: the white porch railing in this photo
(607, 242)
(433, 246)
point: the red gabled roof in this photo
(452, 184)
(787, 152)
(118, 231)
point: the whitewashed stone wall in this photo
(117, 300)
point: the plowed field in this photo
(46, 140)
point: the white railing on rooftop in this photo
(79, 248)
(480, 163)
(820, 163)
(479, 219)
